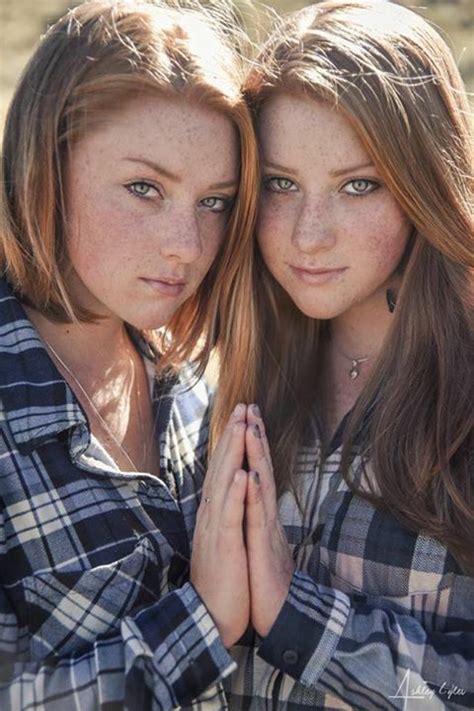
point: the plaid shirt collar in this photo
(28, 375)
(26, 366)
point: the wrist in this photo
(264, 619)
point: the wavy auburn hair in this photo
(393, 77)
(99, 55)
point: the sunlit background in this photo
(23, 21)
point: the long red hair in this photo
(394, 78)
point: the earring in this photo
(391, 300)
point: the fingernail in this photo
(256, 410)
(238, 475)
(257, 432)
(255, 476)
(239, 410)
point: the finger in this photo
(219, 478)
(238, 415)
(254, 417)
(256, 455)
(231, 461)
(255, 513)
(260, 462)
(234, 505)
(265, 535)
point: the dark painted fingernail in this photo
(255, 476)
(256, 410)
(257, 432)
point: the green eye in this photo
(361, 186)
(142, 189)
(280, 185)
(216, 204)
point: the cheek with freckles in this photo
(377, 241)
(274, 231)
(388, 245)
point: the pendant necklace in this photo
(354, 370)
(107, 429)
(355, 366)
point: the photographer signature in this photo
(424, 691)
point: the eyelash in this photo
(131, 189)
(227, 202)
(372, 185)
(270, 181)
(271, 184)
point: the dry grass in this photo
(23, 21)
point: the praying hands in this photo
(241, 564)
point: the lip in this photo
(317, 276)
(166, 286)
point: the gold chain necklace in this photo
(95, 409)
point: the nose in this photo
(314, 229)
(180, 237)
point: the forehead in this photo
(167, 129)
(303, 126)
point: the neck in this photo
(357, 335)
(89, 349)
(361, 331)
(110, 381)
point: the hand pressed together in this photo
(269, 558)
(241, 564)
(219, 559)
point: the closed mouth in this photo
(309, 270)
(167, 280)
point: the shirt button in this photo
(290, 657)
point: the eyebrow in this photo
(175, 178)
(278, 167)
(335, 173)
(156, 167)
(352, 169)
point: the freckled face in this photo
(329, 230)
(148, 198)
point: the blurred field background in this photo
(23, 21)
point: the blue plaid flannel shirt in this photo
(95, 610)
(377, 617)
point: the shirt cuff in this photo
(307, 631)
(183, 640)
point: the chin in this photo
(320, 311)
(150, 322)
